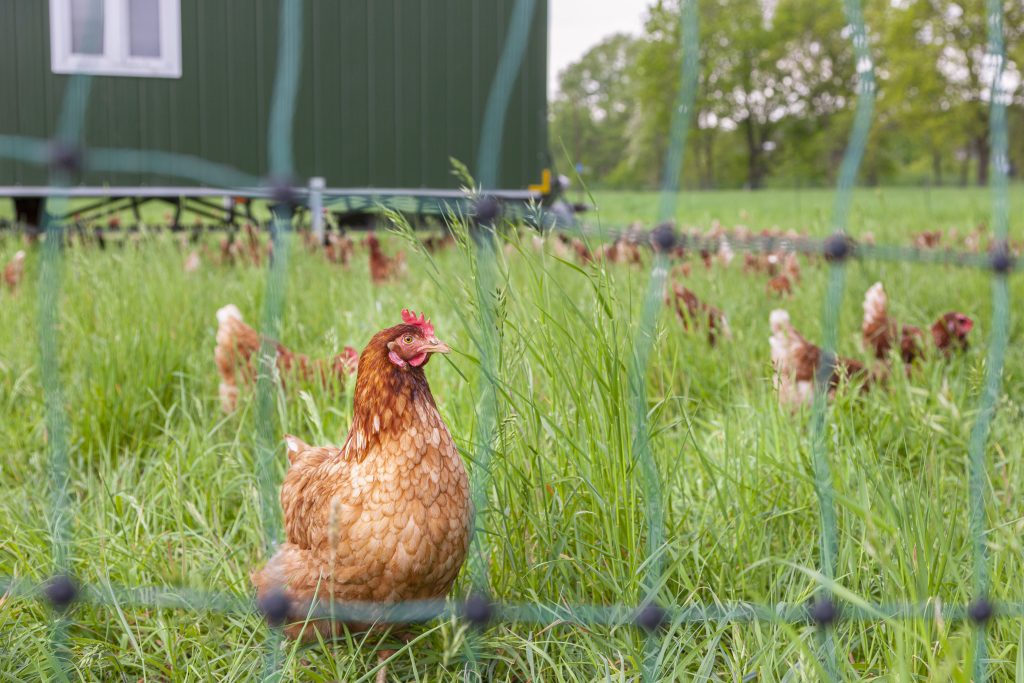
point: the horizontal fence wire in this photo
(65, 156)
(809, 613)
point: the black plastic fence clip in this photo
(823, 612)
(274, 605)
(838, 247)
(1000, 258)
(478, 610)
(663, 237)
(651, 617)
(282, 192)
(486, 210)
(60, 591)
(980, 611)
(65, 157)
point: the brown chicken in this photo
(693, 311)
(612, 253)
(382, 266)
(781, 285)
(253, 246)
(14, 271)
(386, 517)
(928, 239)
(791, 267)
(796, 362)
(438, 243)
(881, 333)
(229, 250)
(949, 332)
(192, 262)
(339, 249)
(238, 346)
(622, 250)
(583, 253)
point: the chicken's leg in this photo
(382, 657)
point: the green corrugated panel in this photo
(389, 91)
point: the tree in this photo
(943, 63)
(593, 106)
(757, 70)
(777, 90)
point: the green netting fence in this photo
(65, 155)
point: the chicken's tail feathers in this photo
(876, 304)
(232, 329)
(295, 446)
(782, 339)
(236, 342)
(726, 330)
(778, 320)
(229, 312)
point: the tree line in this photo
(776, 94)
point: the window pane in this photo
(144, 28)
(87, 27)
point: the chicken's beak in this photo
(435, 345)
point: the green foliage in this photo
(593, 107)
(777, 90)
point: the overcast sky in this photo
(577, 25)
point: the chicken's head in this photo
(951, 331)
(414, 342)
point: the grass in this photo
(164, 486)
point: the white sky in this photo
(577, 25)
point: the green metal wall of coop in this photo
(390, 90)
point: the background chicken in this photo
(881, 333)
(383, 267)
(386, 517)
(693, 311)
(339, 248)
(583, 253)
(438, 243)
(192, 262)
(949, 332)
(796, 362)
(14, 271)
(238, 345)
(253, 244)
(781, 285)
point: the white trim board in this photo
(116, 59)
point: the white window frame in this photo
(116, 60)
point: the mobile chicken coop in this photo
(390, 91)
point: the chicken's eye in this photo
(407, 339)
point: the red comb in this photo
(409, 318)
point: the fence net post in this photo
(1001, 261)
(279, 143)
(663, 241)
(485, 221)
